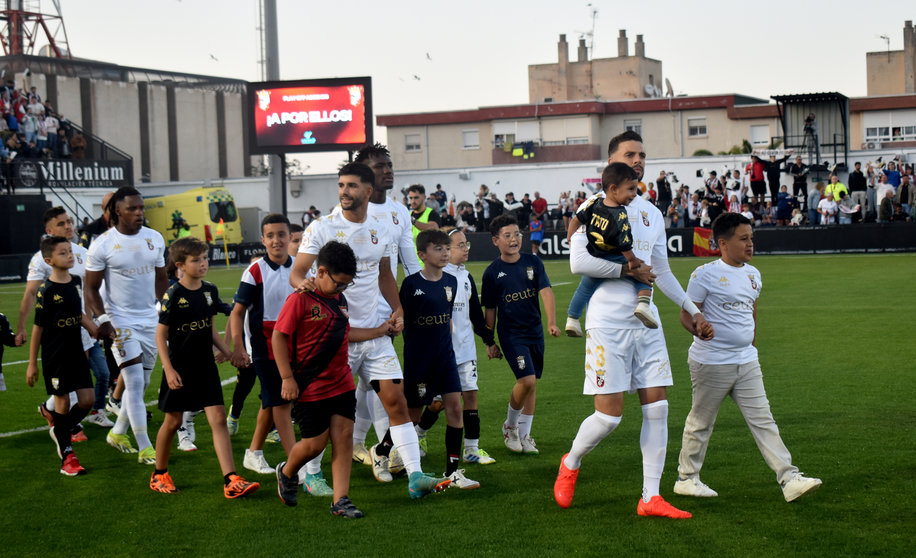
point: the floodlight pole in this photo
(276, 178)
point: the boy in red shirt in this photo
(310, 342)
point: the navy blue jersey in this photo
(427, 320)
(513, 289)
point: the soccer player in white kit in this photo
(727, 290)
(374, 360)
(621, 354)
(369, 409)
(129, 257)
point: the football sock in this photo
(76, 414)
(313, 467)
(133, 406)
(160, 471)
(378, 413)
(49, 404)
(452, 448)
(524, 425)
(244, 383)
(384, 447)
(427, 420)
(405, 440)
(593, 429)
(653, 440)
(62, 427)
(512, 416)
(363, 421)
(471, 428)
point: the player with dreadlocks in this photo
(130, 259)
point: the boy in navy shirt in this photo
(427, 298)
(511, 285)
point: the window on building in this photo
(501, 140)
(760, 135)
(470, 139)
(576, 141)
(696, 127)
(633, 126)
(412, 142)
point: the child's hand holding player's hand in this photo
(173, 379)
(494, 352)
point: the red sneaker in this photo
(162, 483)
(658, 507)
(71, 466)
(565, 486)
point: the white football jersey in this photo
(462, 329)
(612, 305)
(371, 241)
(728, 294)
(129, 263)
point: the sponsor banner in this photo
(72, 173)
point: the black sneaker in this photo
(287, 488)
(344, 507)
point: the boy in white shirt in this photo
(726, 364)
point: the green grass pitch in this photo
(836, 343)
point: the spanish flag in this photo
(703, 244)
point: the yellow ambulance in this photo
(197, 213)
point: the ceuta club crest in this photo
(448, 294)
(149, 243)
(394, 217)
(645, 218)
(753, 283)
(263, 99)
(373, 236)
(530, 271)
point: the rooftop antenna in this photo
(590, 35)
(23, 22)
(887, 40)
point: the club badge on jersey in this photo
(421, 390)
(448, 293)
(521, 362)
(394, 217)
(753, 283)
(530, 271)
(149, 244)
(209, 298)
(645, 218)
(373, 236)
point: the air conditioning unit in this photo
(873, 145)
(464, 175)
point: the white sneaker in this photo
(395, 463)
(644, 314)
(573, 328)
(361, 454)
(694, 487)
(254, 461)
(460, 481)
(185, 443)
(379, 466)
(99, 418)
(798, 486)
(477, 455)
(529, 447)
(113, 407)
(510, 437)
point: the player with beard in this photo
(129, 258)
(621, 354)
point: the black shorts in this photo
(525, 358)
(314, 417)
(269, 377)
(72, 378)
(200, 388)
(434, 377)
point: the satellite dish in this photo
(670, 92)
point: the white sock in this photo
(49, 404)
(133, 406)
(524, 425)
(593, 429)
(379, 415)
(404, 438)
(363, 421)
(512, 416)
(471, 444)
(313, 467)
(653, 440)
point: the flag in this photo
(703, 245)
(219, 228)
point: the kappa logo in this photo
(182, 302)
(57, 299)
(117, 247)
(341, 235)
(418, 292)
(500, 275)
(723, 281)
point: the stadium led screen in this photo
(310, 115)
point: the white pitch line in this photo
(45, 428)
(563, 283)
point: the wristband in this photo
(103, 319)
(690, 307)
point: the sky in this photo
(426, 56)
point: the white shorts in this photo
(133, 340)
(375, 359)
(467, 374)
(619, 360)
